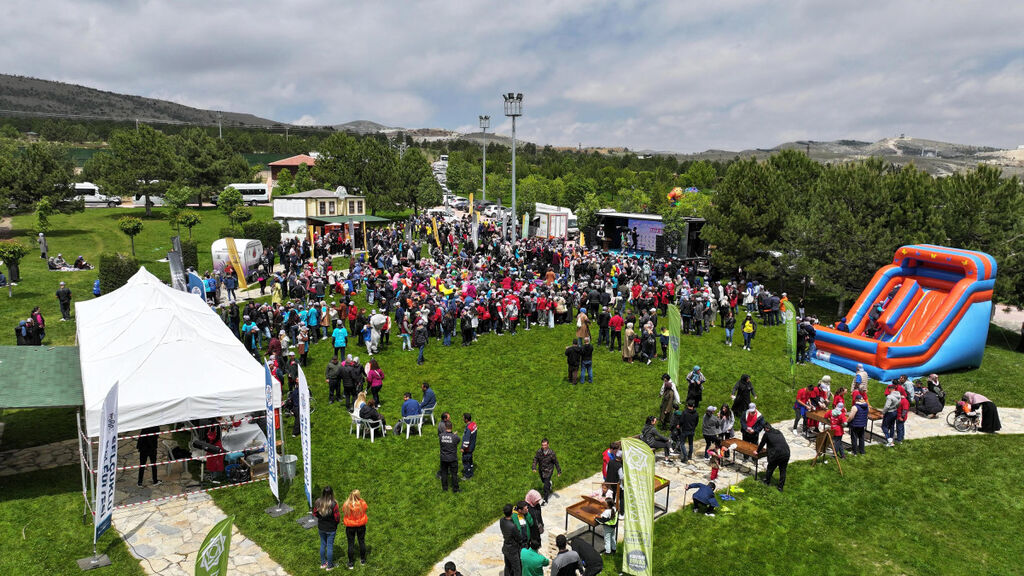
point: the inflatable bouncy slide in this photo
(926, 312)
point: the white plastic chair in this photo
(429, 412)
(372, 426)
(409, 421)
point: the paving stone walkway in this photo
(480, 555)
(21, 460)
(166, 537)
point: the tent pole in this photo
(81, 463)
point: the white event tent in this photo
(172, 356)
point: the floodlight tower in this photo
(485, 123)
(513, 109)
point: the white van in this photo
(249, 254)
(252, 194)
(89, 193)
(139, 201)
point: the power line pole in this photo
(220, 132)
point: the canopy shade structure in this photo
(346, 219)
(40, 377)
(171, 355)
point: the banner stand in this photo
(94, 561)
(307, 521)
(278, 510)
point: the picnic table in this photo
(745, 448)
(589, 508)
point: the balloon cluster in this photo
(675, 196)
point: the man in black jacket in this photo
(778, 454)
(449, 458)
(687, 422)
(512, 542)
(602, 326)
(546, 462)
(586, 361)
(333, 378)
(348, 384)
(147, 451)
(572, 356)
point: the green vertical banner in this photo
(638, 492)
(790, 313)
(675, 328)
(212, 559)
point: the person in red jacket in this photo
(837, 420)
(902, 412)
(802, 406)
(615, 333)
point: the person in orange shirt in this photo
(354, 510)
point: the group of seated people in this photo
(58, 263)
(367, 409)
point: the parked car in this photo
(89, 193)
(460, 203)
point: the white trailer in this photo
(249, 254)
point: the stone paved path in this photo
(23, 460)
(166, 537)
(480, 555)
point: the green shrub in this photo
(189, 254)
(268, 232)
(115, 270)
(230, 232)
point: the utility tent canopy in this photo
(173, 357)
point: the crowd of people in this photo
(616, 302)
(476, 284)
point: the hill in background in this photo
(35, 96)
(32, 95)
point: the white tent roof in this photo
(173, 357)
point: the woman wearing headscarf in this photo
(628, 343)
(742, 395)
(752, 424)
(989, 413)
(669, 400)
(533, 503)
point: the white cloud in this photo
(306, 120)
(664, 75)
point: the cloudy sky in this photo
(672, 75)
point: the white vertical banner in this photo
(106, 466)
(307, 464)
(271, 435)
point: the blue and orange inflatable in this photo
(926, 312)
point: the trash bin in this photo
(286, 466)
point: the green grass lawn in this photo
(943, 505)
(513, 385)
(42, 530)
(515, 388)
(89, 234)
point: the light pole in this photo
(485, 123)
(513, 109)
